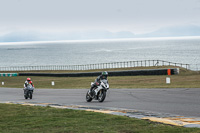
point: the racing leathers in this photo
(27, 82)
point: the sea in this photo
(80, 52)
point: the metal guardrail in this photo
(126, 64)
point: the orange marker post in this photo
(168, 71)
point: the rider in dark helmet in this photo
(103, 75)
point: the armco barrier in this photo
(8, 74)
(111, 73)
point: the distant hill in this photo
(175, 31)
(20, 36)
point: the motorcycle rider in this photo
(97, 81)
(28, 81)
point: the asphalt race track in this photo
(182, 101)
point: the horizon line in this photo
(99, 40)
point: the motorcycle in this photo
(99, 92)
(28, 91)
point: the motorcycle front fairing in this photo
(30, 87)
(98, 89)
(103, 85)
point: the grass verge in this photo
(19, 118)
(186, 79)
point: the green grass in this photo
(186, 79)
(24, 119)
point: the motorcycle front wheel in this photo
(88, 98)
(30, 94)
(102, 95)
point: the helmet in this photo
(28, 79)
(104, 75)
(30, 82)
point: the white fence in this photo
(126, 64)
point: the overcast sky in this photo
(137, 16)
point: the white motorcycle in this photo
(99, 92)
